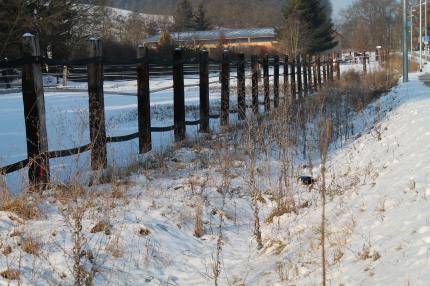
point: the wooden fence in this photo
(301, 76)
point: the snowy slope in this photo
(378, 231)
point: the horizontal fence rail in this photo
(301, 76)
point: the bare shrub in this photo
(198, 222)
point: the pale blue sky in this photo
(339, 5)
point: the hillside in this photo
(227, 13)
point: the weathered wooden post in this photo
(338, 69)
(254, 83)
(305, 75)
(225, 87)
(364, 63)
(332, 61)
(293, 79)
(143, 101)
(266, 83)
(241, 103)
(310, 85)
(329, 68)
(319, 71)
(286, 64)
(204, 91)
(178, 95)
(96, 105)
(299, 76)
(324, 64)
(34, 113)
(314, 71)
(276, 81)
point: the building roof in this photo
(216, 35)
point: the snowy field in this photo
(67, 121)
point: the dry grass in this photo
(395, 63)
(20, 205)
(285, 207)
(30, 245)
(368, 253)
(198, 223)
(101, 227)
(6, 250)
(114, 247)
(10, 274)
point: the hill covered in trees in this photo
(228, 13)
(225, 13)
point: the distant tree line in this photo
(307, 28)
(366, 24)
(304, 26)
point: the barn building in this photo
(229, 37)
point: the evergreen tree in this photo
(55, 21)
(183, 16)
(308, 28)
(201, 22)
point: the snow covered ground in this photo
(378, 232)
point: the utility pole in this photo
(425, 32)
(421, 36)
(412, 32)
(405, 43)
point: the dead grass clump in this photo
(10, 274)
(21, 205)
(6, 250)
(144, 231)
(101, 227)
(284, 207)
(30, 245)
(368, 253)
(114, 247)
(67, 193)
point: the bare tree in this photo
(367, 24)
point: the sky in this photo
(339, 5)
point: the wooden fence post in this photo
(96, 106)
(225, 87)
(254, 68)
(204, 91)
(34, 114)
(324, 64)
(332, 68)
(266, 83)
(364, 63)
(299, 77)
(143, 101)
(338, 69)
(305, 75)
(319, 71)
(314, 71)
(276, 81)
(241, 103)
(178, 95)
(310, 84)
(293, 79)
(286, 64)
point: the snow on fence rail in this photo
(300, 76)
